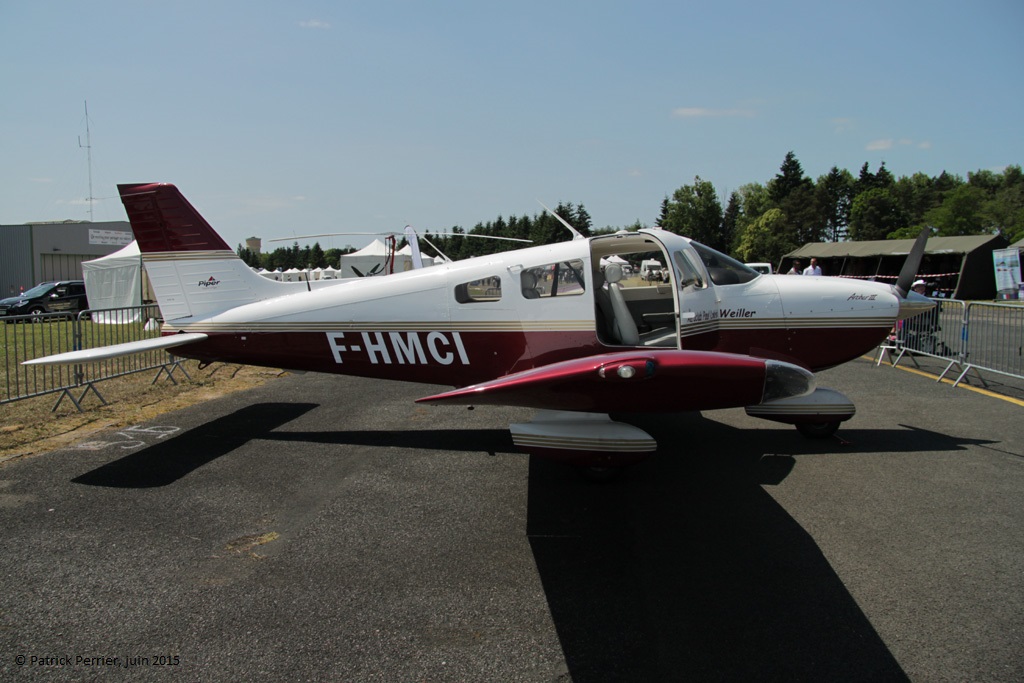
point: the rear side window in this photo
(564, 278)
(479, 291)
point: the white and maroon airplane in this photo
(549, 327)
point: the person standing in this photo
(795, 270)
(813, 269)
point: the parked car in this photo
(763, 268)
(61, 296)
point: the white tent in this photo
(370, 259)
(295, 275)
(115, 281)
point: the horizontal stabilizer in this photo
(118, 350)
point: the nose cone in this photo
(914, 304)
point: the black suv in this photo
(63, 296)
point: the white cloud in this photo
(634, 173)
(841, 125)
(314, 23)
(706, 112)
(889, 143)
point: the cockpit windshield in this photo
(722, 269)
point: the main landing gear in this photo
(816, 416)
(818, 430)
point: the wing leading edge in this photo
(667, 380)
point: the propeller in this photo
(399, 234)
(912, 303)
(913, 262)
(376, 270)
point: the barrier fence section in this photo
(974, 337)
(30, 336)
(994, 339)
(27, 337)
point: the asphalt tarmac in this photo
(329, 529)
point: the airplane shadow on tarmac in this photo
(686, 568)
(491, 441)
(168, 461)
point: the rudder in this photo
(193, 271)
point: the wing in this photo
(664, 380)
(117, 350)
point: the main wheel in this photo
(599, 474)
(817, 430)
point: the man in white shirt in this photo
(813, 269)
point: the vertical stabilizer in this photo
(193, 271)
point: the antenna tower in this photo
(88, 153)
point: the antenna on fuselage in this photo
(576, 234)
(441, 253)
(88, 156)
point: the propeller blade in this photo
(356, 271)
(913, 262)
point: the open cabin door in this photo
(635, 295)
(698, 305)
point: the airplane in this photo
(543, 327)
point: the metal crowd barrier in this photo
(993, 339)
(973, 337)
(32, 336)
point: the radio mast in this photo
(88, 153)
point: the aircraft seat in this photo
(528, 282)
(625, 326)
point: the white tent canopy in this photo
(115, 281)
(370, 259)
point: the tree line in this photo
(294, 256)
(762, 222)
(759, 221)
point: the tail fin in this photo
(193, 271)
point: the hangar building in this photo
(39, 252)
(955, 267)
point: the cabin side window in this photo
(689, 273)
(722, 269)
(486, 289)
(564, 278)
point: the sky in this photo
(278, 119)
